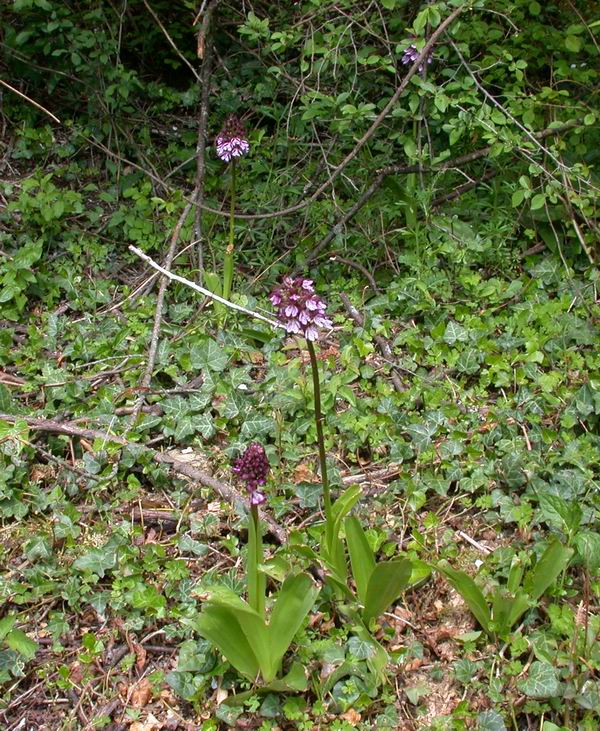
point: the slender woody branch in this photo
(203, 291)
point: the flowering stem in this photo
(320, 438)
(257, 583)
(228, 260)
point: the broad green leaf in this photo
(361, 556)
(18, 641)
(345, 502)
(588, 547)
(294, 601)
(506, 610)
(251, 623)
(220, 625)
(560, 513)
(554, 559)
(537, 201)
(515, 575)
(470, 592)
(387, 582)
(542, 681)
(420, 572)
(6, 624)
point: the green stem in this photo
(228, 259)
(257, 582)
(320, 437)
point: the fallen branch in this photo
(227, 492)
(382, 344)
(160, 300)
(31, 101)
(202, 290)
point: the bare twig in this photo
(359, 268)
(201, 143)
(147, 377)
(227, 492)
(171, 41)
(202, 290)
(382, 344)
(31, 101)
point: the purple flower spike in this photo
(253, 467)
(299, 309)
(411, 54)
(232, 140)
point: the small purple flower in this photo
(231, 140)
(299, 309)
(411, 54)
(253, 467)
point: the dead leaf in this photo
(150, 724)
(141, 693)
(353, 717)
(303, 473)
(140, 655)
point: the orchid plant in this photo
(230, 144)
(253, 640)
(303, 312)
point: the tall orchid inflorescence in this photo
(231, 143)
(253, 467)
(299, 308)
(411, 54)
(232, 139)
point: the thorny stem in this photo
(320, 439)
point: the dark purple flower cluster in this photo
(231, 140)
(299, 309)
(253, 467)
(411, 54)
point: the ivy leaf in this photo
(542, 681)
(308, 493)
(455, 333)
(176, 407)
(468, 361)
(361, 649)
(257, 425)
(208, 355)
(490, 721)
(204, 424)
(96, 561)
(421, 434)
(188, 545)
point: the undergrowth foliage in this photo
(382, 514)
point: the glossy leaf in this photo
(294, 601)
(552, 562)
(386, 583)
(470, 592)
(361, 556)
